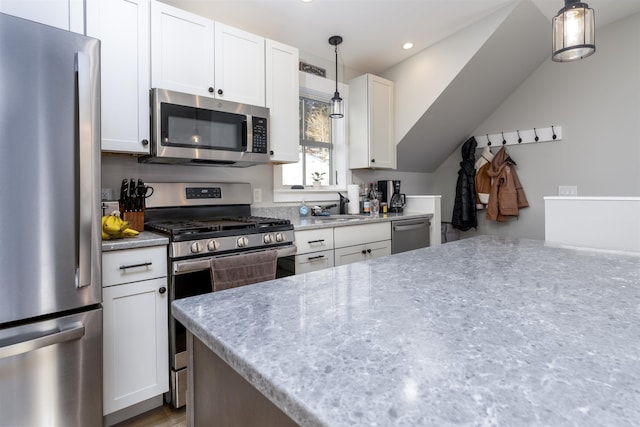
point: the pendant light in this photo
(337, 107)
(573, 32)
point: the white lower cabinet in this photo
(135, 335)
(328, 247)
(315, 250)
(362, 252)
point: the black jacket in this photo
(464, 208)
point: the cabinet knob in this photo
(162, 290)
(145, 142)
(271, 152)
(364, 252)
(210, 90)
(368, 251)
(373, 160)
(220, 92)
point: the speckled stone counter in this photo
(142, 240)
(313, 222)
(482, 331)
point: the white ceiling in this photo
(373, 30)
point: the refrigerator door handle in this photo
(75, 331)
(85, 183)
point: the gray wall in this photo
(597, 103)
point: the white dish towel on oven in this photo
(244, 269)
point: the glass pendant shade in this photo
(573, 32)
(337, 107)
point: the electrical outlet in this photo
(568, 190)
(257, 195)
(106, 194)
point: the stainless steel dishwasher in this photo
(409, 234)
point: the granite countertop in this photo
(314, 222)
(142, 240)
(481, 331)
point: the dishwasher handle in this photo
(407, 226)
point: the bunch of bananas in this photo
(114, 227)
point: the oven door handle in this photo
(199, 264)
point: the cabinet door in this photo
(181, 50)
(349, 254)
(239, 65)
(378, 249)
(283, 92)
(64, 14)
(123, 28)
(136, 355)
(381, 117)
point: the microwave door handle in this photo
(247, 135)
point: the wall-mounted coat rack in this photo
(552, 133)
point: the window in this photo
(322, 146)
(316, 146)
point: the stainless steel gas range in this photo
(202, 221)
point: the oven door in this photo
(192, 277)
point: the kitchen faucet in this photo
(343, 203)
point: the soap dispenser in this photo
(304, 209)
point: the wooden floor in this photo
(164, 416)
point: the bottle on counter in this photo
(374, 203)
(304, 209)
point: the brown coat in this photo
(507, 195)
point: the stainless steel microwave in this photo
(197, 130)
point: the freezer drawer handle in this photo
(75, 331)
(315, 258)
(142, 264)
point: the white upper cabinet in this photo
(64, 14)
(194, 55)
(123, 28)
(371, 119)
(239, 65)
(282, 100)
(181, 50)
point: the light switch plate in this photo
(106, 194)
(568, 190)
(257, 195)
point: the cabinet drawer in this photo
(133, 265)
(314, 240)
(361, 234)
(314, 261)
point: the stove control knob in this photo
(279, 237)
(242, 242)
(213, 245)
(268, 238)
(196, 247)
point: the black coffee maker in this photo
(398, 199)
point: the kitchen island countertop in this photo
(482, 331)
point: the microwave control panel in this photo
(259, 135)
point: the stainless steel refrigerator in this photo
(50, 279)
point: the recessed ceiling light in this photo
(407, 46)
(306, 1)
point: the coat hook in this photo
(554, 132)
(488, 140)
(519, 138)
(504, 141)
(536, 134)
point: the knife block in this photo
(135, 218)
